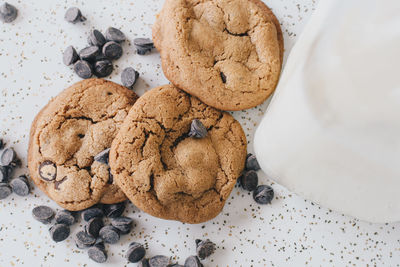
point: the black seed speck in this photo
(263, 194)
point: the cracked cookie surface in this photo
(65, 136)
(228, 53)
(165, 172)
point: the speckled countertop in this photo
(290, 232)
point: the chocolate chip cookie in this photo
(170, 169)
(227, 53)
(65, 136)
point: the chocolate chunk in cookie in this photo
(68, 133)
(227, 53)
(169, 174)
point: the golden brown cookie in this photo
(165, 172)
(65, 136)
(228, 53)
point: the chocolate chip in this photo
(5, 190)
(123, 224)
(20, 186)
(129, 77)
(114, 210)
(223, 77)
(205, 248)
(109, 234)
(96, 38)
(159, 261)
(103, 68)
(193, 261)
(142, 50)
(59, 232)
(197, 129)
(97, 254)
(263, 194)
(143, 43)
(110, 177)
(136, 252)
(48, 170)
(174, 265)
(2, 143)
(90, 213)
(8, 13)
(252, 163)
(113, 34)
(112, 50)
(43, 214)
(83, 240)
(89, 53)
(249, 180)
(70, 56)
(4, 174)
(93, 226)
(100, 243)
(102, 157)
(143, 263)
(58, 183)
(83, 69)
(74, 15)
(65, 217)
(7, 157)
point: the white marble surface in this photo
(289, 232)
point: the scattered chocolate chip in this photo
(136, 252)
(103, 68)
(43, 214)
(83, 240)
(159, 261)
(197, 129)
(129, 77)
(97, 254)
(93, 212)
(70, 56)
(252, 163)
(2, 143)
(205, 248)
(74, 15)
(113, 34)
(112, 50)
(263, 194)
(102, 157)
(143, 263)
(223, 77)
(48, 170)
(123, 224)
(5, 190)
(83, 69)
(109, 234)
(59, 232)
(93, 226)
(8, 13)
(8, 156)
(96, 38)
(20, 186)
(65, 217)
(100, 243)
(89, 53)
(193, 261)
(249, 180)
(143, 42)
(4, 174)
(174, 265)
(114, 210)
(197, 241)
